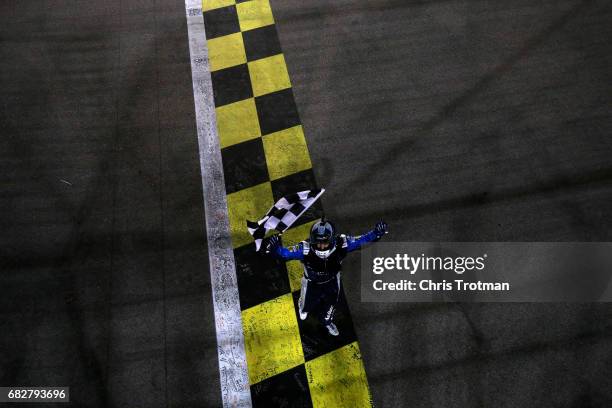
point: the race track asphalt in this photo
(105, 282)
(464, 121)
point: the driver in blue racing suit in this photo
(322, 255)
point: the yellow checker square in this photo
(269, 75)
(237, 122)
(295, 270)
(286, 152)
(254, 14)
(271, 338)
(248, 204)
(214, 4)
(295, 235)
(338, 379)
(226, 51)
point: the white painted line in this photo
(235, 391)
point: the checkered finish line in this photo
(291, 363)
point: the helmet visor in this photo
(321, 245)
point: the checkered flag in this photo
(283, 214)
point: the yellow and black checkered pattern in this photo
(290, 362)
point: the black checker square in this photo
(277, 111)
(303, 180)
(231, 85)
(261, 43)
(286, 389)
(260, 276)
(221, 21)
(316, 340)
(244, 165)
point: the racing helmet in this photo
(322, 238)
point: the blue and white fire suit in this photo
(320, 289)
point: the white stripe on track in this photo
(235, 391)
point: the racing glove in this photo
(272, 244)
(381, 229)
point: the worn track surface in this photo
(464, 121)
(105, 283)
